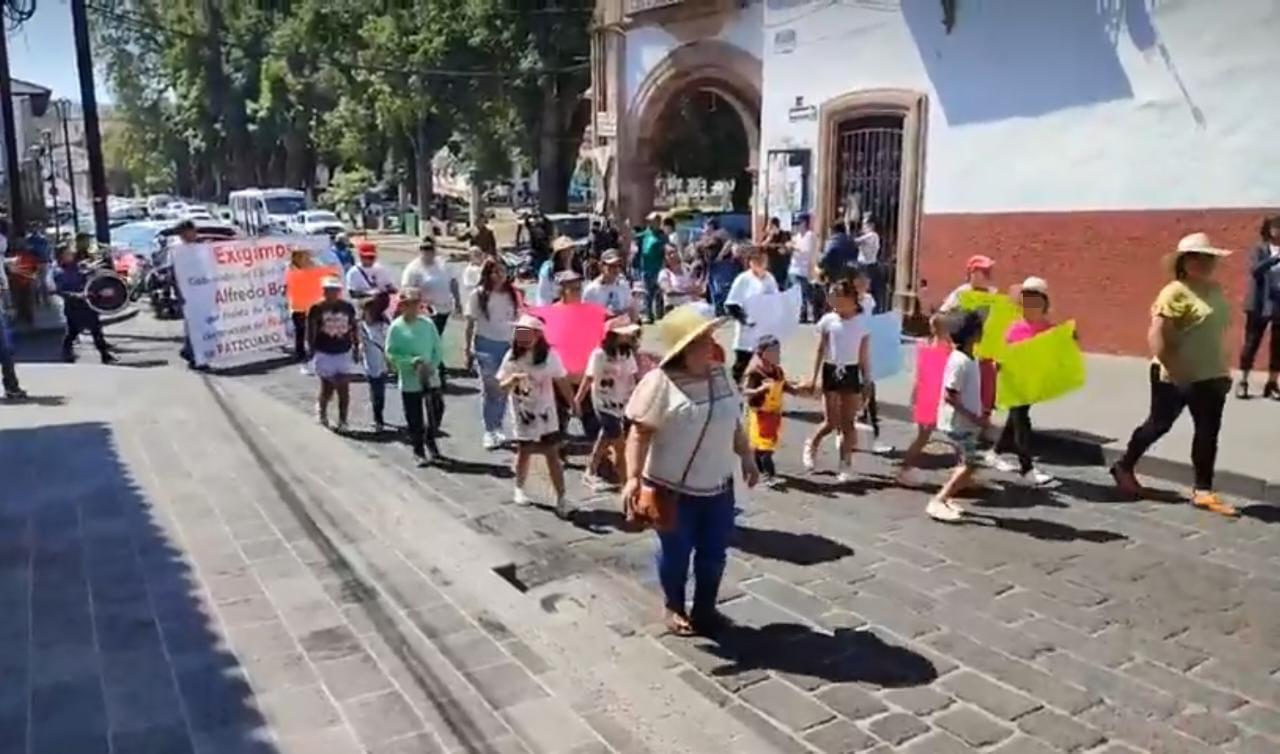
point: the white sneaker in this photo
(520, 498)
(595, 483)
(941, 510)
(993, 460)
(845, 473)
(563, 508)
(771, 482)
(1040, 478)
(808, 456)
(491, 441)
(341, 428)
(909, 477)
(881, 448)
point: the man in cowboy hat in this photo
(369, 276)
(334, 342)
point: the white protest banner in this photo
(233, 294)
(884, 344)
(776, 314)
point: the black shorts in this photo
(612, 427)
(845, 380)
(549, 440)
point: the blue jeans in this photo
(653, 303)
(10, 375)
(489, 355)
(703, 527)
(378, 396)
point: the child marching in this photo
(842, 368)
(609, 381)
(532, 374)
(907, 475)
(1017, 435)
(961, 415)
(373, 338)
(764, 385)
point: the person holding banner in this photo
(754, 281)
(334, 342)
(926, 389)
(492, 310)
(1017, 434)
(70, 280)
(842, 368)
(413, 348)
(979, 274)
(1190, 369)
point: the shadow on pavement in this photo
(102, 635)
(475, 468)
(846, 656)
(1267, 514)
(38, 400)
(799, 549)
(1042, 529)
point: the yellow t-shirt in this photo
(1200, 316)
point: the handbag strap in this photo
(711, 407)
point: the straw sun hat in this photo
(1196, 243)
(561, 243)
(682, 326)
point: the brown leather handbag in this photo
(655, 506)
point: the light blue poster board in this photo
(885, 344)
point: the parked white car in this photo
(317, 222)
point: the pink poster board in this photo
(987, 369)
(931, 362)
(574, 330)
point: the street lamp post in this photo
(64, 107)
(46, 150)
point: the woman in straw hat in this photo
(562, 260)
(685, 437)
(1190, 368)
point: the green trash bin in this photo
(409, 223)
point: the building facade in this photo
(1071, 139)
(646, 55)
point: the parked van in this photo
(262, 211)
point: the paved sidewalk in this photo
(183, 572)
(1095, 423)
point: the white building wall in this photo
(647, 46)
(1050, 105)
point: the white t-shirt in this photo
(802, 257)
(612, 380)
(963, 376)
(868, 247)
(745, 286)
(371, 279)
(546, 290)
(373, 347)
(532, 404)
(499, 322)
(844, 338)
(434, 280)
(868, 303)
(676, 286)
(471, 275)
(678, 410)
(615, 296)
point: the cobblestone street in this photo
(1056, 620)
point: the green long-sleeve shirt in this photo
(407, 341)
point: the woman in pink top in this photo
(1016, 437)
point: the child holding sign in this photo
(961, 415)
(924, 398)
(1016, 437)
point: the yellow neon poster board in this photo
(1042, 368)
(1002, 313)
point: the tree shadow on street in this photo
(36, 400)
(845, 656)
(1267, 514)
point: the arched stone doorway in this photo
(728, 72)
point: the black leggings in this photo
(764, 462)
(1016, 437)
(422, 415)
(1205, 399)
(1255, 326)
(741, 359)
(299, 334)
(440, 321)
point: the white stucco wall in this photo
(1051, 105)
(646, 46)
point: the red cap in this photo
(979, 262)
(367, 249)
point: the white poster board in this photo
(776, 314)
(233, 292)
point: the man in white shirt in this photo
(437, 286)
(755, 281)
(611, 290)
(368, 276)
(804, 250)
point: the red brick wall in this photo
(1103, 268)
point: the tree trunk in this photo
(552, 188)
(422, 163)
(474, 207)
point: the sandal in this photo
(1211, 502)
(679, 625)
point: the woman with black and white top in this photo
(843, 369)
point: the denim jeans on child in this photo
(489, 355)
(703, 527)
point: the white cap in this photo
(1034, 284)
